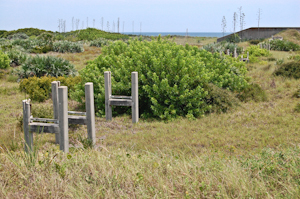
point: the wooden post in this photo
(26, 119)
(54, 87)
(135, 97)
(90, 111)
(63, 118)
(107, 82)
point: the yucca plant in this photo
(46, 66)
(99, 42)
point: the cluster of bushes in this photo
(28, 31)
(45, 66)
(91, 34)
(235, 38)
(16, 56)
(282, 45)
(289, 69)
(99, 42)
(173, 79)
(39, 88)
(222, 47)
(255, 52)
(67, 46)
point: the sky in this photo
(147, 16)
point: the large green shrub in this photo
(253, 92)
(4, 60)
(45, 65)
(19, 35)
(289, 69)
(39, 89)
(171, 77)
(67, 46)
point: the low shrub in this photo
(41, 49)
(39, 89)
(99, 42)
(254, 42)
(219, 100)
(294, 57)
(67, 46)
(171, 77)
(289, 69)
(297, 108)
(45, 66)
(253, 92)
(256, 51)
(42, 110)
(297, 93)
(4, 60)
(222, 47)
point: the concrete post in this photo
(220, 53)
(135, 97)
(54, 87)
(247, 55)
(26, 119)
(107, 82)
(227, 52)
(63, 118)
(90, 111)
(234, 53)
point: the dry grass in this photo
(290, 35)
(250, 152)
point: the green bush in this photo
(171, 77)
(16, 57)
(39, 89)
(252, 92)
(289, 69)
(4, 60)
(284, 45)
(235, 38)
(297, 108)
(67, 46)
(45, 66)
(99, 42)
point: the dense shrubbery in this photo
(39, 89)
(4, 60)
(254, 42)
(289, 69)
(99, 42)
(172, 77)
(235, 38)
(67, 46)
(222, 47)
(41, 65)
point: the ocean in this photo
(190, 34)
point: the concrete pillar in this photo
(107, 84)
(63, 118)
(26, 119)
(54, 88)
(227, 52)
(234, 53)
(247, 55)
(90, 111)
(135, 97)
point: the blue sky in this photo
(154, 15)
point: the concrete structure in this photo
(115, 100)
(62, 119)
(258, 33)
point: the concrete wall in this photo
(258, 33)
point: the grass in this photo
(252, 151)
